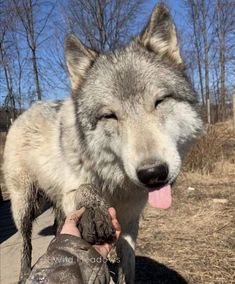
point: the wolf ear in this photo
(160, 34)
(79, 59)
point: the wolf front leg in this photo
(95, 224)
(24, 205)
(126, 253)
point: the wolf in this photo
(124, 129)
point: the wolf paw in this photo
(95, 226)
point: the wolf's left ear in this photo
(160, 35)
(79, 59)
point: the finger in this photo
(75, 216)
(115, 223)
(112, 213)
(117, 227)
(70, 229)
(103, 249)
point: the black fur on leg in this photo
(58, 221)
(32, 207)
(26, 257)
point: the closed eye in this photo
(160, 100)
(108, 116)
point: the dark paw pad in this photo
(95, 226)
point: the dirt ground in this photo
(194, 240)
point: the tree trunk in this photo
(196, 43)
(206, 58)
(221, 36)
(36, 75)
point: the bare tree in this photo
(33, 26)
(194, 18)
(200, 16)
(102, 24)
(213, 29)
(9, 100)
(224, 30)
(7, 25)
(204, 9)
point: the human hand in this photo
(70, 227)
(70, 224)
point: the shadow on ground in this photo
(152, 272)
(7, 226)
(149, 271)
(48, 231)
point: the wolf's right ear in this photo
(79, 59)
(160, 36)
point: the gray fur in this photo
(82, 142)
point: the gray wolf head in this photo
(135, 106)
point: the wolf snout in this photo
(153, 175)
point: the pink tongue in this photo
(160, 198)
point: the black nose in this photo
(153, 175)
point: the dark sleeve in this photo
(70, 259)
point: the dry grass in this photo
(215, 145)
